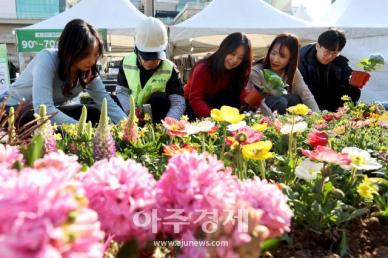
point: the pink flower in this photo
(42, 218)
(192, 251)
(193, 182)
(326, 154)
(118, 191)
(267, 120)
(130, 126)
(248, 135)
(320, 125)
(174, 127)
(259, 194)
(28, 236)
(278, 124)
(9, 155)
(317, 138)
(59, 161)
(130, 131)
(89, 235)
(36, 191)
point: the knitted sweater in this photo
(298, 87)
(40, 83)
(202, 89)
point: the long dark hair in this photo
(229, 45)
(292, 43)
(75, 43)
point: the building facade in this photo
(21, 13)
(39, 9)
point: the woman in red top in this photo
(220, 78)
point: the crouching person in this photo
(148, 76)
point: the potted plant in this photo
(272, 84)
(359, 78)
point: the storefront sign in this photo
(4, 72)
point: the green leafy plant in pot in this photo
(370, 64)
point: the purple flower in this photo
(103, 145)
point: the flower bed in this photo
(237, 178)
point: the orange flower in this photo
(174, 149)
(174, 127)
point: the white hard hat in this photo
(151, 35)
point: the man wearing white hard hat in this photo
(148, 76)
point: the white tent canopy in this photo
(222, 17)
(302, 13)
(358, 18)
(366, 26)
(118, 17)
(115, 15)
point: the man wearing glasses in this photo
(326, 72)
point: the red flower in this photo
(317, 138)
(328, 117)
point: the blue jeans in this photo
(281, 103)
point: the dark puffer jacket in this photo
(329, 83)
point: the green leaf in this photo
(128, 250)
(343, 247)
(269, 244)
(34, 150)
(356, 214)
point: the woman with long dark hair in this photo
(55, 76)
(282, 59)
(219, 79)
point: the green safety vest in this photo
(157, 82)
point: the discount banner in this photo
(36, 40)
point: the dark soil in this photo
(366, 238)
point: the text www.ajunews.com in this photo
(182, 243)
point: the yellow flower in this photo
(339, 130)
(383, 117)
(374, 116)
(58, 136)
(70, 129)
(185, 118)
(361, 105)
(299, 109)
(260, 127)
(367, 188)
(147, 117)
(143, 131)
(345, 98)
(257, 150)
(227, 114)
